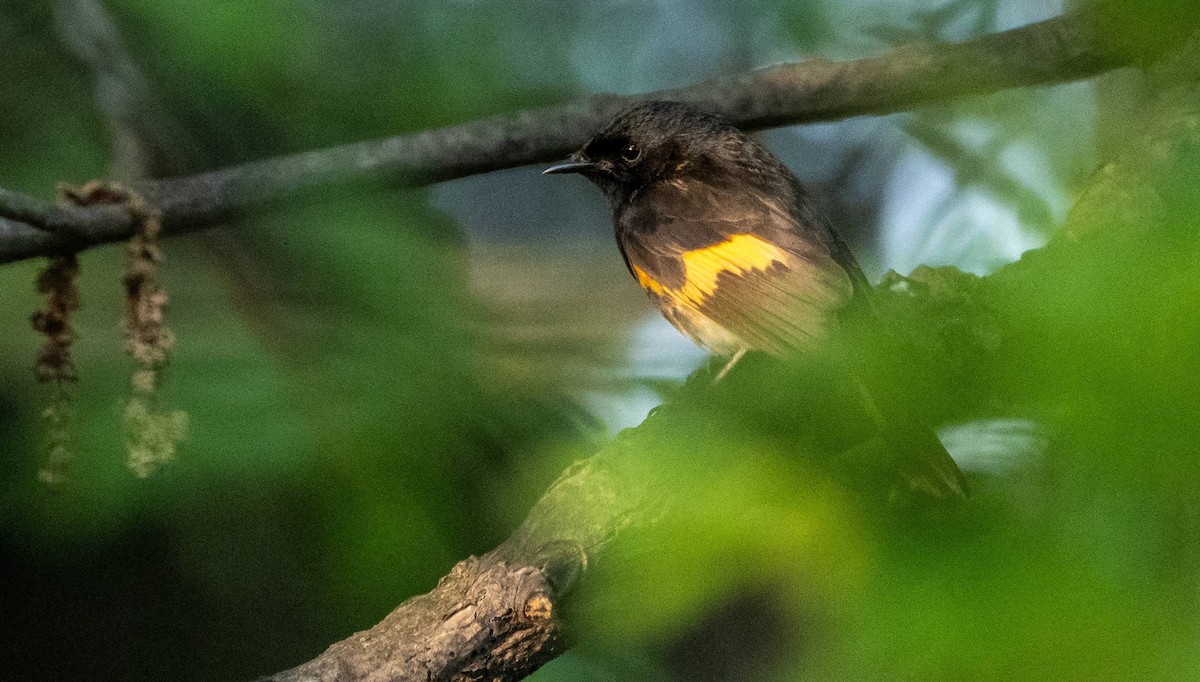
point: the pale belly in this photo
(701, 330)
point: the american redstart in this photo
(728, 244)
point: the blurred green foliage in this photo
(352, 436)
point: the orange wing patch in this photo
(737, 255)
(649, 283)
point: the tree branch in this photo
(147, 141)
(1061, 49)
(24, 208)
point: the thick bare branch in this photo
(1062, 49)
(486, 620)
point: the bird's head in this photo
(655, 142)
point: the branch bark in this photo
(1062, 49)
(21, 208)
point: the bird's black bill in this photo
(570, 167)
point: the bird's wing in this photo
(776, 278)
(740, 259)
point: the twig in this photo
(145, 137)
(1058, 50)
(24, 208)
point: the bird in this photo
(733, 250)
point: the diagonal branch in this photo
(144, 135)
(1066, 48)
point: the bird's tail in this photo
(924, 465)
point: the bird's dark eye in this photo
(631, 152)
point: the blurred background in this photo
(382, 384)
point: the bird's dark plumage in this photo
(722, 236)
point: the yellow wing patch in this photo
(739, 254)
(649, 283)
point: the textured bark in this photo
(486, 620)
(1062, 49)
